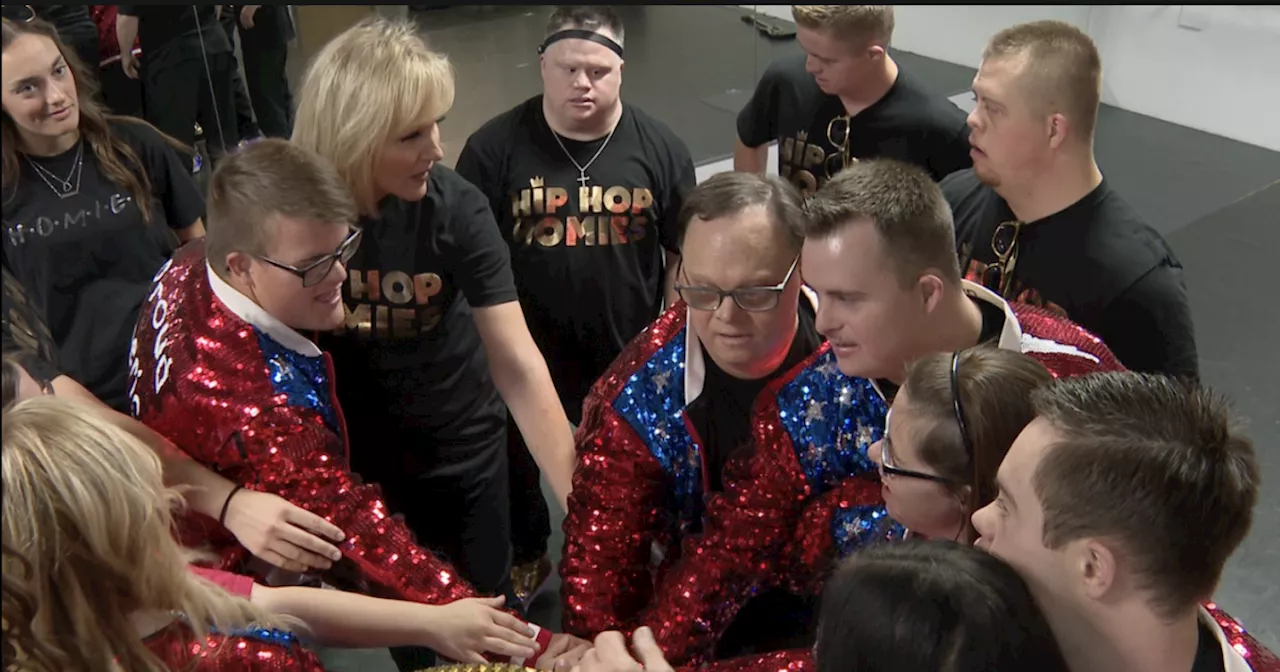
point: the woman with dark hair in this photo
(93, 205)
(949, 428)
(939, 607)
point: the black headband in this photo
(588, 35)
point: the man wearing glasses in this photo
(1037, 223)
(220, 367)
(667, 525)
(846, 99)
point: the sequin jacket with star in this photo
(1063, 347)
(640, 483)
(1244, 650)
(265, 416)
(256, 650)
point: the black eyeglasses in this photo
(20, 13)
(315, 272)
(887, 467)
(838, 136)
(750, 299)
(998, 277)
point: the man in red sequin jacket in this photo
(218, 367)
(729, 528)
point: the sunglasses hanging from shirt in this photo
(575, 34)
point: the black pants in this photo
(122, 95)
(178, 90)
(246, 127)
(265, 54)
(530, 517)
(459, 511)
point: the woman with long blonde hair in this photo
(435, 340)
(85, 503)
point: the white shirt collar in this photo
(244, 308)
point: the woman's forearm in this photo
(535, 406)
(340, 619)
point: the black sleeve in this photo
(480, 262)
(952, 154)
(171, 180)
(955, 187)
(680, 182)
(482, 167)
(1149, 327)
(127, 10)
(758, 121)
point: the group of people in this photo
(862, 403)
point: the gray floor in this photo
(1216, 200)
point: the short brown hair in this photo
(995, 387)
(852, 22)
(731, 192)
(1155, 464)
(1061, 69)
(586, 17)
(270, 177)
(905, 205)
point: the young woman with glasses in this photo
(950, 425)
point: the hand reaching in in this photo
(280, 533)
(610, 654)
(563, 652)
(467, 629)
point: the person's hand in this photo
(129, 63)
(563, 652)
(467, 629)
(278, 532)
(610, 654)
(246, 15)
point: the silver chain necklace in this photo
(62, 188)
(582, 170)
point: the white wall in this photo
(1223, 77)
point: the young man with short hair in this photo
(845, 100)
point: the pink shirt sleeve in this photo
(236, 584)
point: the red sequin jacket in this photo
(253, 400)
(640, 485)
(254, 650)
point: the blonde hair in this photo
(374, 81)
(270, 177)
(86, 506)
(861, 23)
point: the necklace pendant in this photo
(583, 179)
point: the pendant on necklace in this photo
(583, 179)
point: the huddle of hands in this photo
(294, 539)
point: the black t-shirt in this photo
(722, 413)
(1097, 263)
(86, 261)
(161, 27)
(589, 261)
(1208, 652)
(410, 355)
(25, 334)
(910, 123)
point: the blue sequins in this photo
(269, 635)
(652, 402)
(304, 380)
(832, 420)
(858, 526)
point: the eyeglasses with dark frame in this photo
(998, 277)
(751, 299)
(833, 131)
(315, 272)
(886, 446)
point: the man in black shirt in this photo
(1036, 221)
(265, 31)
(585, 190)
(186, 67)
(846, 99)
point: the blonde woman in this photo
(435, 340)
(85, 503)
